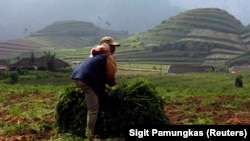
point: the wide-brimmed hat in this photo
(109, 40)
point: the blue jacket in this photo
(92, 71)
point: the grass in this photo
(30, 103)
(141, 65)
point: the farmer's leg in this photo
(92, 107)
(101, 130)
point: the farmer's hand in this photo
(107, 92)
(108, 88)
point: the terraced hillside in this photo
(73, 34)
(199, 36)
(14, 47)
(58, 36)
(204, 36)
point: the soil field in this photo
(190, 111)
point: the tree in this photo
(17, 58)
(32, 57)
(50, 59)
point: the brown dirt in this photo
(178, 113)
(218, 113)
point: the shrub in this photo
(133, 103)
(3, 75)
(14, 77)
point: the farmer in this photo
(92, 75)
(238, 81)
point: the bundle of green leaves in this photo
(71, 111)
(135, 102)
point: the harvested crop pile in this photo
(135, 102)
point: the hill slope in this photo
(61, 34)
(73, 34)
(12, 48)
(199, 36)
(205, 36)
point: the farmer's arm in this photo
(111, 70)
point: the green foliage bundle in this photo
(133, 103)
(71, 112)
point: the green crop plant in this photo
(8, 127)
(133, 103)
(15, 110)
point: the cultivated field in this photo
(27, 108)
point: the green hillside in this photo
(200, 36)
(57, 37)
(73, 34)
(204, 36)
